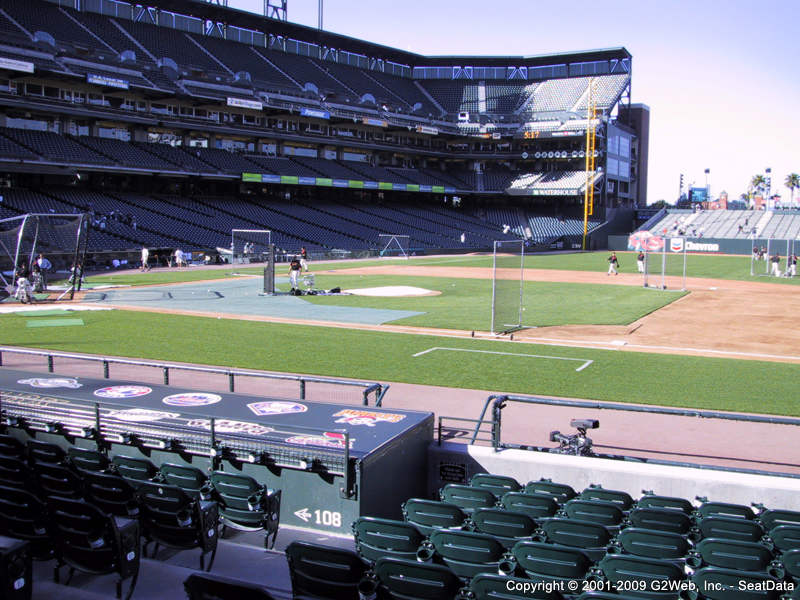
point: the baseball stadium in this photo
(291, 314)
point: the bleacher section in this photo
(730, 224)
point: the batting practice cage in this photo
(394, 245)
(61, 239)
(507, 279)
(250, 245)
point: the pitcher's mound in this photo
(393, 291)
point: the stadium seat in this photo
(644, 577)
(111, 493)
(729, 584)
(668, 502)
(590, 537)
(791, 563)
(598, 511)
(135, 470)
(171, 518)
(324, 571)
(497, 484)
(410, 580)
(247, 505)
(87, 460)
(23, 516)
(39, 451)
(14, 472)
(12, 447)
(490, 586)
(88, 540)
(551, 562)
(730, 528)
(594, 492)
(506, 526)
(650, 543)
(730, 554)
(54, 479)
(774, 518)
(561, 492)
(204, 586)
(376, 537)
(467, 553)
(190, 479)
(467, 498)
(785, 537)
(724, 509)
(662, 519)
(536, 506)
(428, 515)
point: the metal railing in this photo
(375, 390)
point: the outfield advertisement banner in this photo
(345, 183)
(644, 240)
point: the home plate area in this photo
(393, 291)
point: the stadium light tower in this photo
(275, 9)
(708, 190)
(768, 183)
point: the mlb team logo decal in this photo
(139, 415)
(329, 439)
(366, 417)
(676, 244)
(123, 391)
(228, 426)
(192, 399)
(277, 408)
(52, 382)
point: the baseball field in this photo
(729, 342)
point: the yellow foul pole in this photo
(591, 135)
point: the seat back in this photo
(410, 580)
(536, 506)
(467, 553)
(622, 499)
(467, 498)
(732, 554)
(12, 447)
(791, 562)
(428, 515)
(87, 460)
(246, 504)
(576, 533)
(785, 537)
(506, 526)
(729, 584)
(39, 451)
(642, 576)
(56, 479)
(724, 509)
(596, 511)
(773, 518)
(488, 586)
(111, 493)
(14, 472)
(204, 586)
(661, 519)
(497, 484)
(731, 528)
(23, 516)
(376, 537)
(134, 469)
(551, 561)
(561, 492)
(650, 543)
(668, 502)
(190, 479)
(324, 571)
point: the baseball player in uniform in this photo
(294, 272)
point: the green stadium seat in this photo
(730, 554)
(791, 563)
(667, 502)
(135, 470)
(15, 472)
(551, 562)
(12, 447)
(650, 543)
(730, 528)
(661, 519)
(467, 498)
(39, 451)
(506, 526)
(595, 492)
(785, 537)
(54, 479)
(497, 484)
(467, 553)
(376, 538)
(597, 511)
(645, 577)
(773, 518)
(204, 586)
(729, 584)
(324, 571)
(536, 506)
(246, 505)
(171, 518)
(489, 586)
(724, 509)
(561, 492)
(87, 460)
(111, 493)
(23, 516)
(411, 580)
(428, 515)
(592, 538)
(190, 479)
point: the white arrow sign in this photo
(303, 514)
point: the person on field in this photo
(294, 273)
(24, 292)
(776, 264)
(304, 258)
(613, 264)
(791, 269)
(145, 259)
(640, 262)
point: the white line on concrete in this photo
(586, 362)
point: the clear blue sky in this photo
(722, 79)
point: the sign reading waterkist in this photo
(16, 65)
(244, 103)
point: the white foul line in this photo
(585, 361)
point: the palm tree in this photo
(757, 184)
(792, 182)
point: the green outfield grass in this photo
(708, 383)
